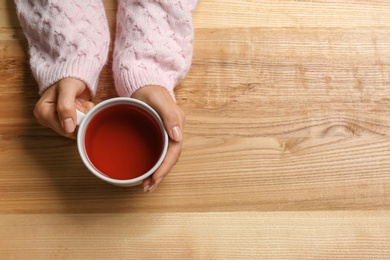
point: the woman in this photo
(68, 46)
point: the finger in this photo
(173, 119)
(147, 183)
(173, 154)
(172, 116)
(66, 107)
(45, 112)
(47, 116)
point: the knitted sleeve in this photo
(153, 43)
(66, 39)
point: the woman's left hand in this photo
(173, 118)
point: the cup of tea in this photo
(121, 141)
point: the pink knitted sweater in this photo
(70, 38)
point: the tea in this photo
(123, 141)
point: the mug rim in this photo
(108, 103)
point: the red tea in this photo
(123, 141)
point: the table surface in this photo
(286, 153)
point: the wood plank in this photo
(240, 235)
(315, 13)
(214, 174)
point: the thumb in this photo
(173, 122)
(163, 102)
(172, 116)
(68, 90)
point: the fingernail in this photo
(158, 181)
(68, 125)
(176, 134)
(146, 188)
(154, 186)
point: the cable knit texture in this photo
(66, 39)
(71, 39)
(153, 43)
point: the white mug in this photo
(104, 148)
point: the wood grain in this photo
(286, 152)
(243, 235)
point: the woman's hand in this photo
(173, 118)
(57, 106)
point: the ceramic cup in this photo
(121, 141)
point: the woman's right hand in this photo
(57, 106)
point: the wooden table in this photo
(286, 154)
